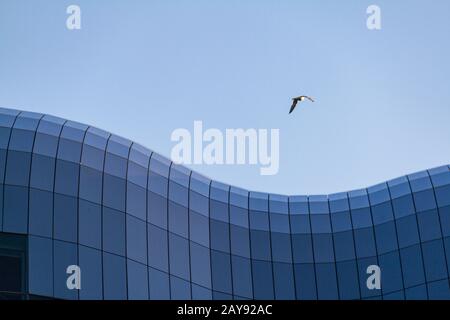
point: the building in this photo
(141, 227)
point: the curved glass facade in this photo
(141, 227)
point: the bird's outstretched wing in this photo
(309, 98)
(294, 103)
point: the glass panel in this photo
(429, 225)
(412, 265)
(242, 276)
(159, 284)
(113, 231)
(45, 145)
(40, 266)
(136, 240)
(74, 131)
(140, 155)
(179, 289)
(91, 268)
(119, 146)
(18, 168)
(306, 285)
(221, 271)
(347, 274)
(407, 231)
(41, 213)
(158, 248)
(115, 165)
(91, 185)
(136, 201)
(92, 157)
(240, 239)
(386, 237)
(96, 138)
(51, 125)
(178, 219)
(15, 213)
(434, 260)
(65, 254)
(114, 192)
(199, 229)
(391, 273)
(137, 281)
(21, 140)
(157, 210)
(69, 150)
(114, 277)
(200, 265)
(220, 236)
(65, 218)
(90, 224)
(42, 172)
(262, 280)
(284, 281)
(179, 256)
(137, 174)
(67, 174)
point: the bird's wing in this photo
(309, 98)
(294, 103)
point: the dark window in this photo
(12, 263)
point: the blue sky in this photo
(141, 69)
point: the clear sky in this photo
(141, 69)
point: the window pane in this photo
(220, 236)
(41, 213)
(42, 172)
(284, 281)
(347, 273)
(179, 256)
(306, 286)
(40, 270)
(158, 248)
(200, 264)
(136, 201)
(90, 224)
(113, 231)
(137, 281)
(159, 285)
(240, 241)
(67, 174)
(157, 210)
(114, 192)
(65, 254)
(91, 268)
(114, 277)
(178, 219)
(136, 240)
(45, 145)
(221, 271)
(412, 264)
(91, 185)
(242, 277)
(116, 166)
(18, 168)
(199, 228)
(65, 218)
(326, 281)
(262, 280)
(15, 213)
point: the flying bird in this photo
(297, 100)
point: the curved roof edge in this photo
(416, 181)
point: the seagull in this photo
(298, 99)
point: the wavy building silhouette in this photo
(141, 227)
